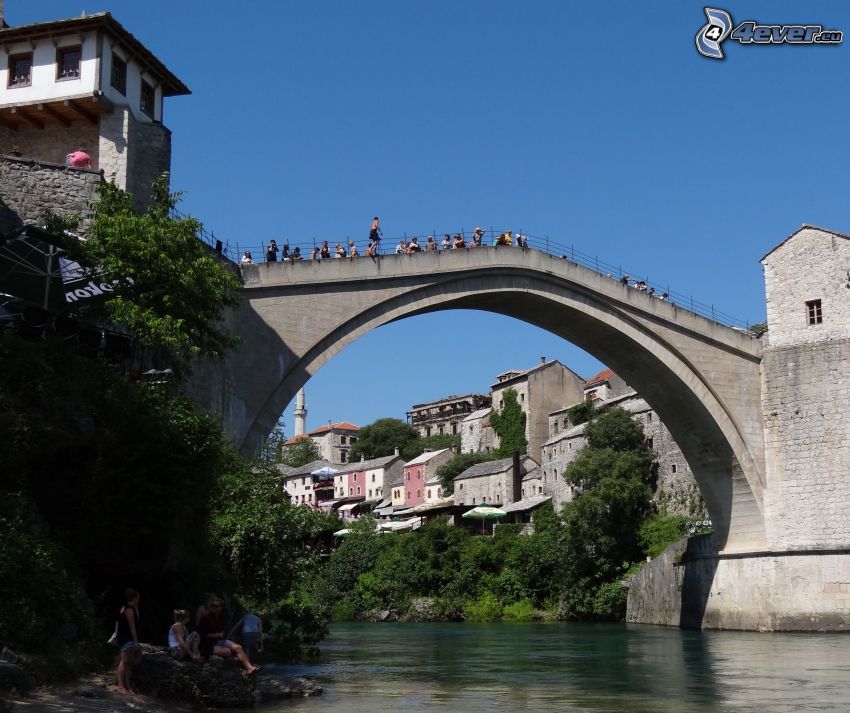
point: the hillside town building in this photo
(420, 476)
(444, 416)
(491, 482)
(334, 441)
(540, 390)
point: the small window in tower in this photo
(147, 99)
(68, 62)
(674, 467)
(343, 456)
(119, 74)
(20, 70)
(814, 312)
(342, 440)
(649, 443)
(454, 429)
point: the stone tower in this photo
(300, 413)
(806, 390)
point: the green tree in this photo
(509, 424)
(303, 451)
(382, 437)
(453, 468)
(268, 544)
(612, 475)
(436, 442)
(169, 291)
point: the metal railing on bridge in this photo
(309, 249)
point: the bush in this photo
(485, 608)
(609, 601)
(522, 610)
(40, 598)
(661, 531)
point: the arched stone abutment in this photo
(690, 378)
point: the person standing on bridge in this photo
(375, 232)
(271, 252)
(325, 252)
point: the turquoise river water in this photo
(367, 668)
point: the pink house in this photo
(418, 472)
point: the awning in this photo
(348, 506)
(384, 512)
(436, 505)
(527, 504)
(328, 503)
(342, 533)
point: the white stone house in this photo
(298, 482)
(334, 441)
(86, 82)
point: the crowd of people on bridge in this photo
(405, 246)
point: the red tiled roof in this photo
(603, 375)
(341, 426)
(295, 439)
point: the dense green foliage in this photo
(302, 452)
(571, 566)
(612, 476)
(170, 292)
(382, 437)
(509, 424)
(582, 412)
(453, 468)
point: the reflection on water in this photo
(573, 667)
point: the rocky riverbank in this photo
(165, 686)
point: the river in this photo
(368, 668)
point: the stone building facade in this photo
(444, 416)
(489, 483)
(476, 434)
(334, 441)
(540, 390)
(806, 390)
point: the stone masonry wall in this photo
(149, 158)
(485, 489)
(806, 392)
(52, 143)
(767, 592)
(28, 189)
(806, 395)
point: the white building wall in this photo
(134, 83)
(44, 85)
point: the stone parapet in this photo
(30, 188)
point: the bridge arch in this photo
(701, 378)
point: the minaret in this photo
(300, 413)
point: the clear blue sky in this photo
(595, 123)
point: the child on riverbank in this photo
(182, 644)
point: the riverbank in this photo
(90, 694)
(165, 686)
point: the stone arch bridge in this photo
(702, 378)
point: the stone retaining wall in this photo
(758, 591)
(29, 188)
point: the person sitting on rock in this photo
(211, 631)
(182, 644)
(250, 632)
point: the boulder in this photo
(14, 678)
(216, 683)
